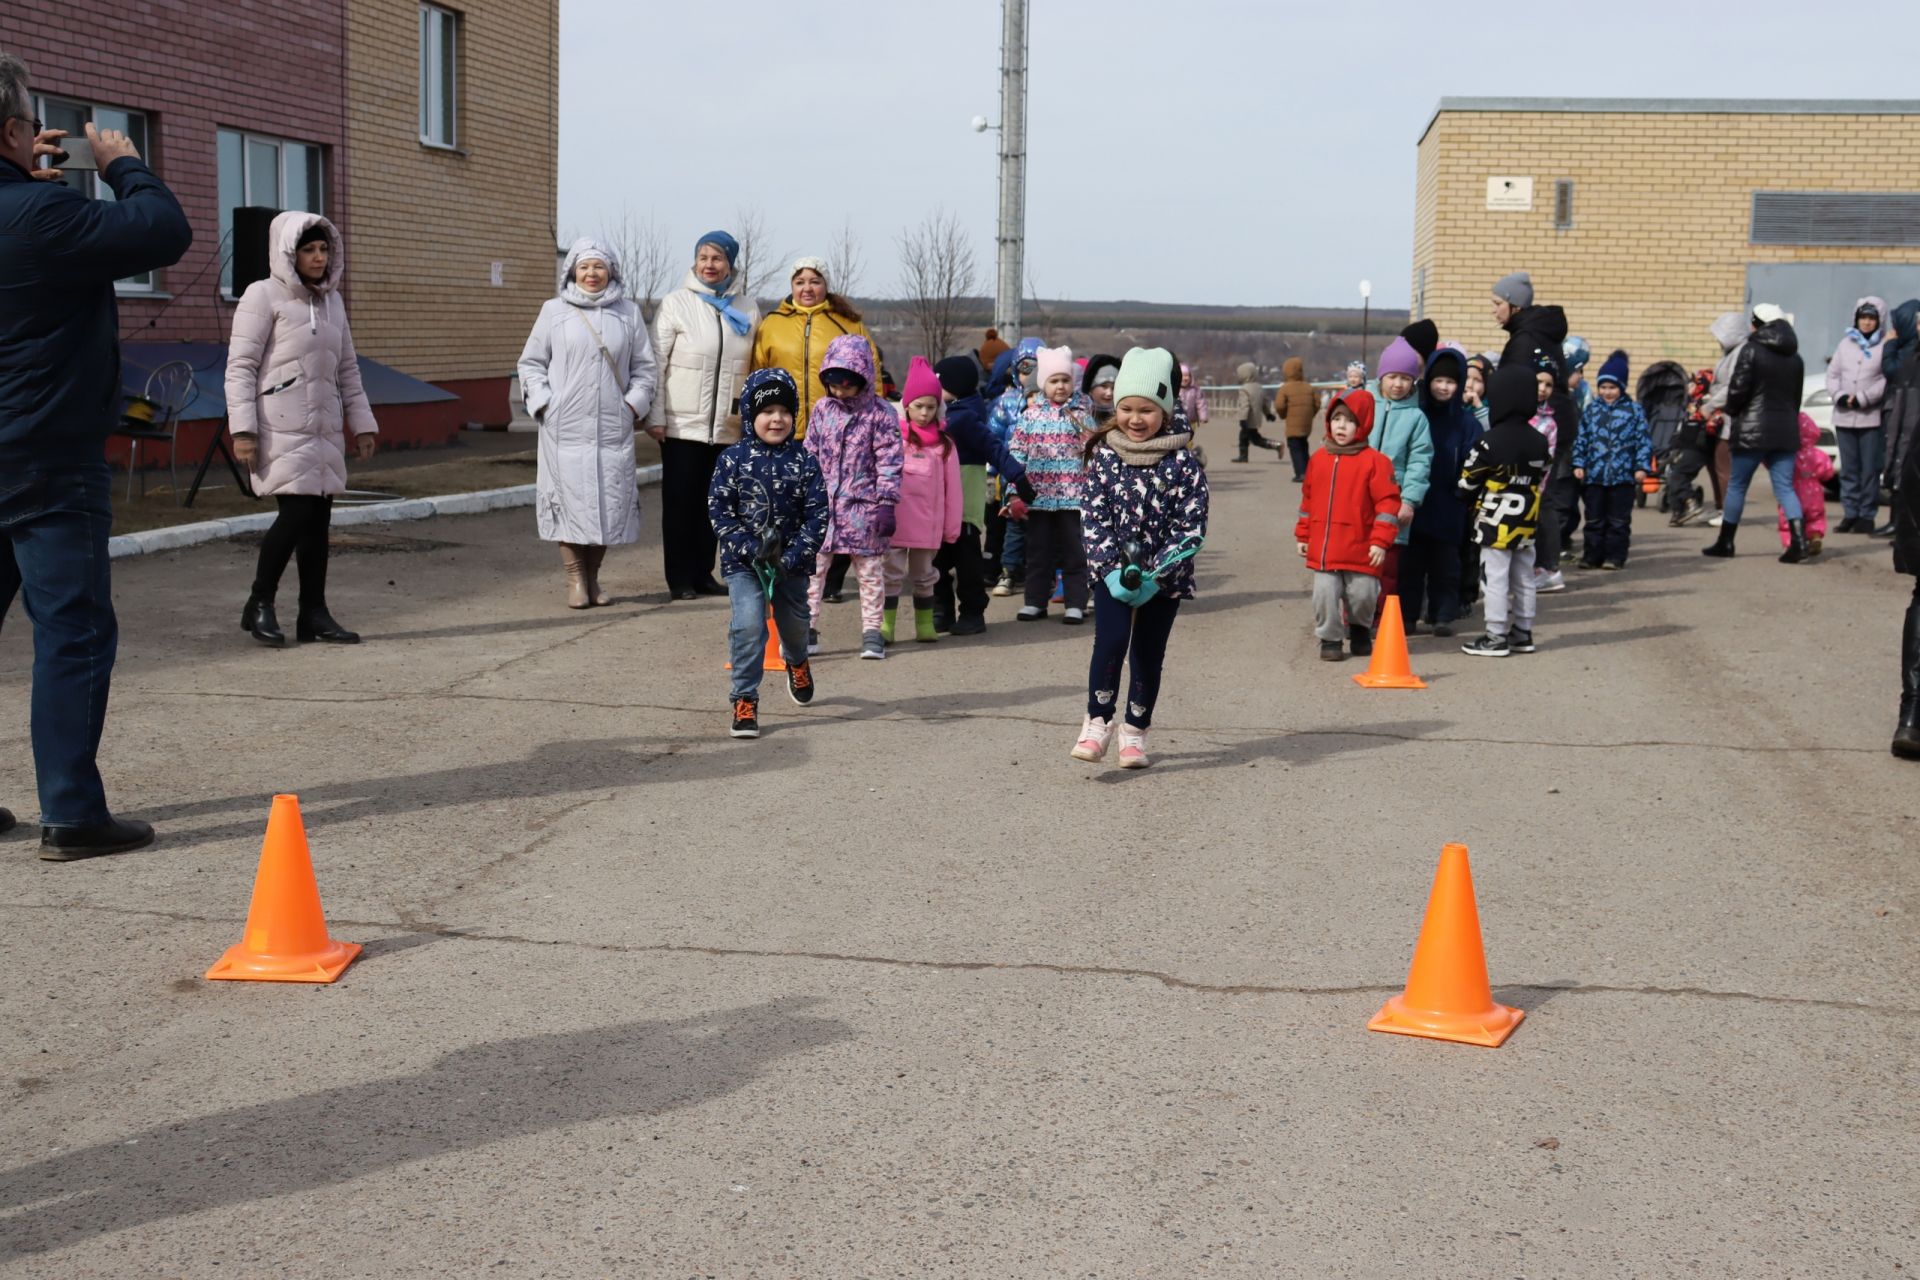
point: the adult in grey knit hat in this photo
(1515, 290)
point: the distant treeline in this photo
(1037, 313)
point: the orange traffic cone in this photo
(774, 661)
(286, 938)
(1447, 997)
(1390, 668)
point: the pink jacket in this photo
(1812, 468)
(292, 377)
(928, 516)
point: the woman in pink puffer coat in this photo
(293, 399)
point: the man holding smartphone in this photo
(60, 253)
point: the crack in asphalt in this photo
(1170, 980)
(816, 713)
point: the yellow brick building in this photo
(1645, 219)
(451, 186)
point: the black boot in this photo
(7, 821)
(1722, 549)
(1796, 542)
(1906, 738)
(1360, 640)
(315, 623)
(257, 618)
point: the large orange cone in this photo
(1390, 668)
(1447, 997)
(774, 661)
(286, 938)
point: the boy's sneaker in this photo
(1361, 639)
(969, 624)
(832, 597)
(1133, 748)
(1031, 613)
(1091, 745)
(1519, 641)
(800, 682)
(1611, 567)
(813, 642)
(1487, 646)
(1074, 617)
(872, 646)
(1443, 629)
(1004, 587)
(746, 718)
(1332, 651)
(1546, 583)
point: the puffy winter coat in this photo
(857, 441)
(1902, 414)
(1536, 338)
(1614, 442)
(756, 484)
(1507, 470)
(1250, 409)
(60, 253)
(1154, 493)
(1855, 372)
(1050, 442)
(1295, 402)
(586, 400)
(931, 505)
(1906, 516)
(1403, 435)
(1453, 427)
(796, 338)
(703, 363)
(1348, 501)
(1763, 395)
(293, 380)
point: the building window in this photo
(1563, 205)
(439, 75)
(74, 117)
(270, 172)
(1836, 218)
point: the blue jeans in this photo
(747, 632)
(1863, 456)
(53, 554)
(1013, 550)
(1779, 464)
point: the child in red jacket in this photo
(1349, 516)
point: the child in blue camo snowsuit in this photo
(768, 505)
(1612, 454)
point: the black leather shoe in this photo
(258, 620)
(1884, 531)
(7, 821)
(711, 587)
(317, 624)
(969, 624)
(115, 835)
(685, 593)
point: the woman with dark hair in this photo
(794, 336)
(1857, 382)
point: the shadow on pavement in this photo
(1300, 747)
(468, 1099)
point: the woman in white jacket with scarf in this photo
(703, 339)
(293, 399)
(588, 375)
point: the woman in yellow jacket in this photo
(794, 336)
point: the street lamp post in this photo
(1010, 240)
(1366, 314)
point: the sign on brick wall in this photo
(1510, 195)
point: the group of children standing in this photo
(1099, 479)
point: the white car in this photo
(1817, 403)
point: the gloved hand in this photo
(1024, 487)
(1133, 597)
(1016, 508)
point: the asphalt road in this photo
(901, 990)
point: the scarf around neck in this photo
(1146, 453)
(1867, 344)
(925, 437)
(579, 297)
(720, 300)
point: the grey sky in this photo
(1204, 151)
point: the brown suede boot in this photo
(574, 559)
(590, 559)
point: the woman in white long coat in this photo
(588, 375)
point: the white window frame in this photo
(439, 64)
(147, 283)
(280, 187)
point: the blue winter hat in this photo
(767, 389)
(1614, 370)
(1029, 349)
(724, 243)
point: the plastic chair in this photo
(153, 417)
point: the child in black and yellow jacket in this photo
(1506, 472)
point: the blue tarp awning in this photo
(385, 385)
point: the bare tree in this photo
(938, 274)
(845, 264)
(760, 264)
(1045, 313)
(646, 260)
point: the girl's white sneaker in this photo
(1094, 737)
(1133, 748)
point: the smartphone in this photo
(79, 153)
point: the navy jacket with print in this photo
(1153, 493)
(754, 484)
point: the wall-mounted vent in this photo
(1836, 217)
(1563, 205)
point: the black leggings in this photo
(1118, 630)
(299, 533)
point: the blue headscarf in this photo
(1900, 346)
(719, 299)
(1002, 375)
